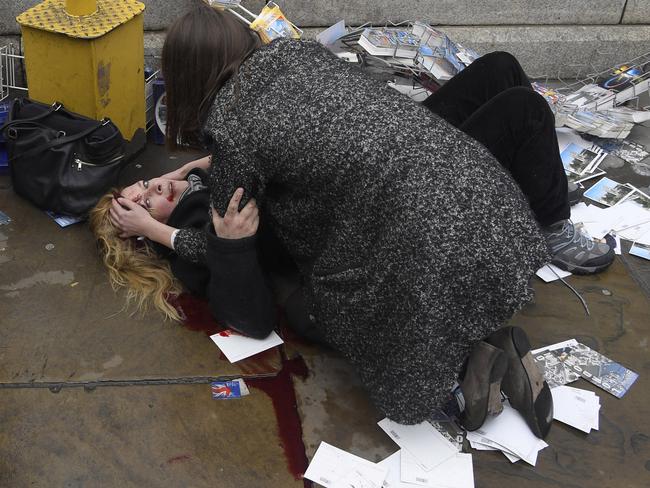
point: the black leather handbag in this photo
(59, 160)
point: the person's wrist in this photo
(149, 228)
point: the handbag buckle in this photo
(12, 133)
(61, 133)
(56, 106)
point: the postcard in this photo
(228, 390)
(455, 472)
(237, 347)
(428, 446)
(600, 370)
(550, 272)
(577, 179)
(576, 407)
(4, 218)
(556, 373)
(509, 429)
(608, 192)
(640, 250)
(577, 159)
(64, 220)
(333, 468)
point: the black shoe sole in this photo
(523, 383)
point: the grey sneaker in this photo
(574, 251)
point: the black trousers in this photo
(492, 101)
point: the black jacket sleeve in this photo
(238, 294)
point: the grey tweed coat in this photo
(412, 240)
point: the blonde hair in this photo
(147, 277)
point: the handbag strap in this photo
(53, 108)
(62, 140)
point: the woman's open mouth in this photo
(170, 198)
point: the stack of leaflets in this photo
(390, 43)
(592, 106)
(576, 407)
(508, 433)
(406, 54)
(627, 81)
(600, 124)
(427, 457)
(590, 97)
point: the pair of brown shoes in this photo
(503, 362)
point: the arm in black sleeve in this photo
(238, 294)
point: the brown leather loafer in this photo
(523, 382)
(480, 384)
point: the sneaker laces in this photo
(577, 235)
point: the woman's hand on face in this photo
(130, 218)
(237, 224)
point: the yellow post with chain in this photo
(89, 55)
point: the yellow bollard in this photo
(80, 7)
(92, 63)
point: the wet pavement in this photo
(93, 395)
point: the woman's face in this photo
(158, 195)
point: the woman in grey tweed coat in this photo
(412, 241)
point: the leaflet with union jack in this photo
(227, 390)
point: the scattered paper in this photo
(428, 446)
(455, 472)
(550, 272)
(575, 407)
(335, 468)
(237, 347)
(228, 390)
(510, 431)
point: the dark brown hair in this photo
(202, 50)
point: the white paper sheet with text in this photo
(334, 468)
(428, 446)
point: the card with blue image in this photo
(611, 376)
(228, 390)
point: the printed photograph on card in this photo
(608, 192)
(552, 366)
(639, 199)
(577, 179)
(600, 370)
(640, 250)
(577, 159)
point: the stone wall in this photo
(554, 38)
